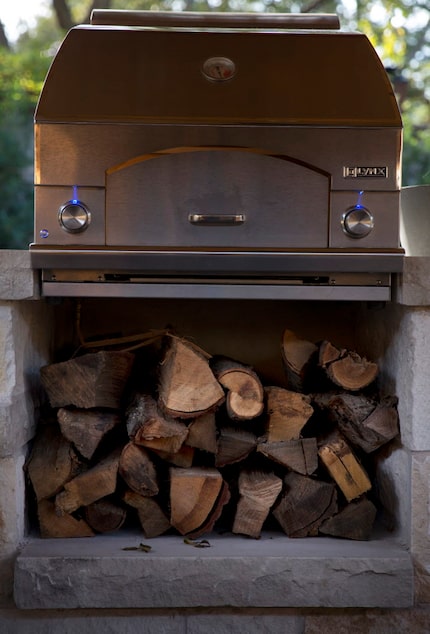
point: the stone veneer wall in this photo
(26, 329)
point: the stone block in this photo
(246, 623)
(16, 622)
(420, 501)
(233, 572)
(377, 622)
(12, 520)
(25, 338)
(17, 279)
(393, 488)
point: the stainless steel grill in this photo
(217, 155)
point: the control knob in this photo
(357, 222)
(74, 216)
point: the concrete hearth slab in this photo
(274, 571)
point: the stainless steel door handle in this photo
(216, 219)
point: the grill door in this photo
(216, 197)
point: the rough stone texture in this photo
(16, 622)
(393, 486)
(254, 623)
(12, 521)
(411, 363)
(25, 338)
(420, 539)
(17, 280)
(152, 622)
(370, 622)
(413, 286)
(234, 571)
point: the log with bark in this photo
(138, 470)
(92, 485)
(193, 493)
(287, 412)
(105, 515)
(53, 525)
(258, 492)
(245, 392)
(149, 427)
(344, 466)
(304, 505)
(202, 433)
(52, 462)
(346, 368)
(297, 356)
(363, 422)
(92, 380)
(299, 455)
(86, 428)
(234, 445)
(187, 386)
(354, 521)
(152, 518)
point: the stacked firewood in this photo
(183, 441)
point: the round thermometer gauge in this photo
(219, 69)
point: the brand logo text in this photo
(365, 171)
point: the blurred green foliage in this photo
(399, 30)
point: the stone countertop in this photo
(19, 282)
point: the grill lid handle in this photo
(112, 17)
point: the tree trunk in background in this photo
(4, 42)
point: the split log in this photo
(86, 428)
(93, 380)
(52, 525)
(297, 356)
(137, 470)
(152, 518)
(299, 455)
(328, 353)
(193, 493)
(202, 433)
(245, 392)
(222, 499)
(187, 385)
(346, 368)
(182, 458)
(304, 505)
(104, 516)
(52, 462)
(344, 467)
(355, 521)
(287, 413)
(98, 482)
(149, 427)
(234, 445)
(258, 492)
(363, 422)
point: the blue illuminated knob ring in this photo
(357, 222)
(74, 216)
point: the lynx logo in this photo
(365, 172)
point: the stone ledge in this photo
(274, 571)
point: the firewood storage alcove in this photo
(198, 564)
